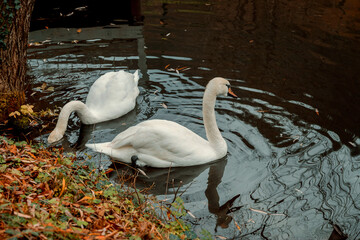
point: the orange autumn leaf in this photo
(237, 226)
(179, 69)
(85, 198)
(167, 66)
(13, 149)
(63, 187)
(317, 111)
(79, 30)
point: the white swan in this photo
(111, 96)
(162, 143)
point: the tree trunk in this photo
(14, 29)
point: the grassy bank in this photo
(47, 194)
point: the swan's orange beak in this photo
(231, 93)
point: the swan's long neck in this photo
(80, 108)
(212, 131)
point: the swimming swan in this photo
(111, 96)
(162, 143)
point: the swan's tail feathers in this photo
(100, 147)
(136, 76)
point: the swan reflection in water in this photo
(170, 181)
(223, 218)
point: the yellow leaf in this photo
(13, 114)
(26, 109)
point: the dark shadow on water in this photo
(337, 234)
(164, 180)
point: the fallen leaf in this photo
(43, 86)
(167, 66)
(63, 187)
(221, 237)
(164, 105)
(33, 123)
(79, 30)
(317, 111)
(13, 114)
(50, 89)
(22, 215)
(352, 144)
(46, 27)
(237, 226)
(192, 215)
(85, 198)
(259, 211)
(251, 220)
(299, 190)
(179, 69)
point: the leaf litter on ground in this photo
(46, 193)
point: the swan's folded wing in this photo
(161, 138)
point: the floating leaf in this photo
(259, 211)
(164, 105)
(237, 226)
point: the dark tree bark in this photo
(15, 24)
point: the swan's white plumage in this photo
(162, 143)
(111, 96)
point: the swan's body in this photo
(110, 97)
(162, 143)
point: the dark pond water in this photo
(293, 135)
